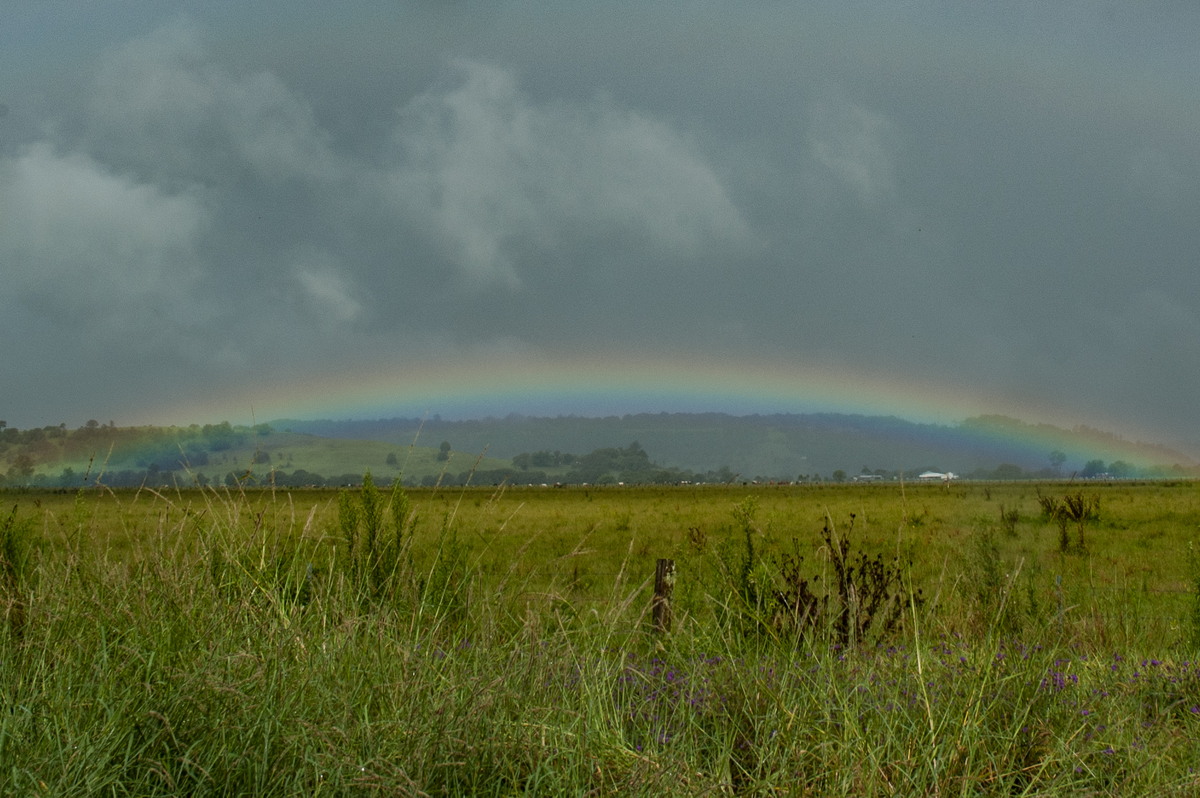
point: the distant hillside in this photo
(774, 446)
(216, 454)
(638, 448)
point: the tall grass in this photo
(248, 647)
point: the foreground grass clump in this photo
(244, 644)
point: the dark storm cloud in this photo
(1004, 201)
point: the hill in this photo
(637, 448)
(779, 446)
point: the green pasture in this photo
(962, 639)
(1136, 554)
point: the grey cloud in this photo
(1156, 325)
(163, 104)
(325, 292)
(90, 243)
(853, 143)
(491, 172)
(1164, 177)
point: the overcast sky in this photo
(1002, 198)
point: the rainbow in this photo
(600, 386)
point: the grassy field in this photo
(970, 639)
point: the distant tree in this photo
(261, 457)
(444, 452)
(195, 455)
(1008, 471)
(839, 476)
(1057, 458)
(1093, 468)
(220, 437)
(301, 478)
(1120, 469)
(630, 464)
(22, 467)
(391, 459)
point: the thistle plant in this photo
(375, 530)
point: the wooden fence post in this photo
(664, 584)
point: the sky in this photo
(245, 211)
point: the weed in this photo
(1009, 520)
(865, 599)
(443, 590)
(375, 531)
(1071, 508)
(747, 586)
(1080, 509)
(798, 608)
(871, 593)
(998, 605)
(1049, 505)
(15, 567)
